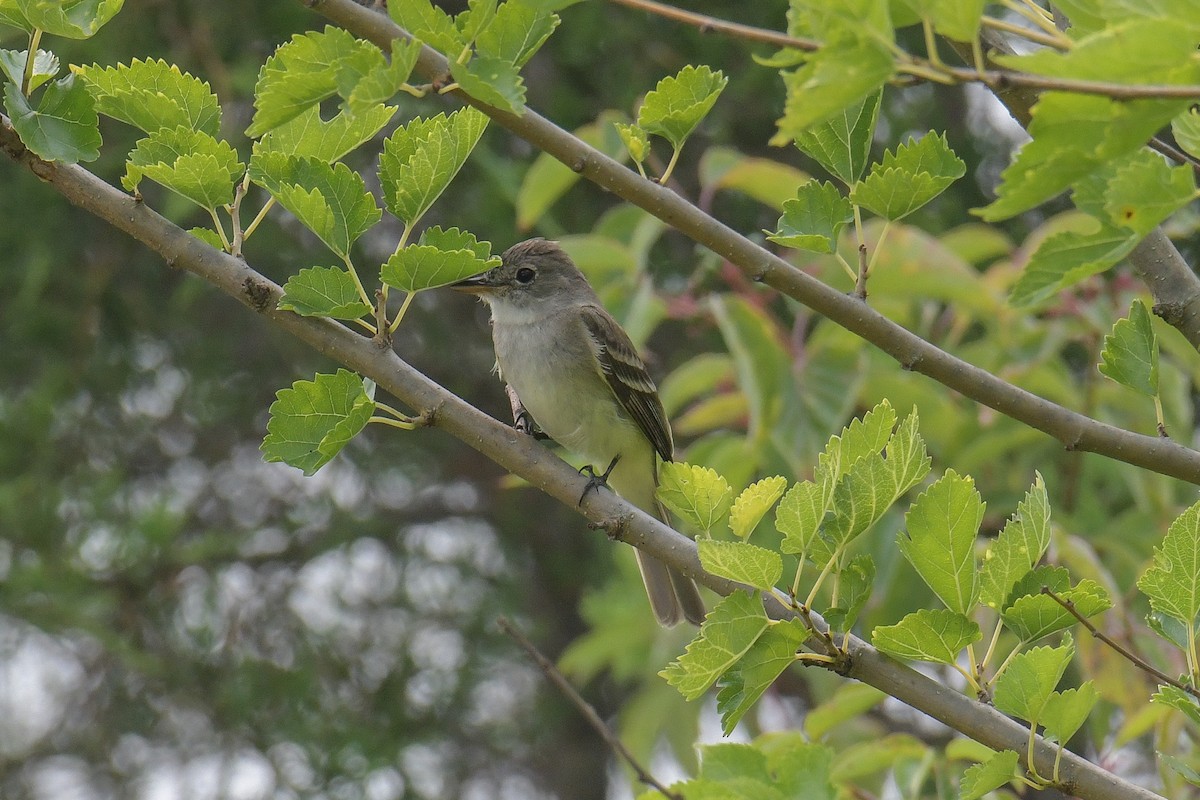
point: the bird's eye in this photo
(525, 275)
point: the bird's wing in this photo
(626, 375)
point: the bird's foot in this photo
(596, 481)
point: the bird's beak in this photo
(477, 285)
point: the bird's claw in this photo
(596, 481)
(524, 424)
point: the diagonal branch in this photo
(1076, 431)
(519, 454)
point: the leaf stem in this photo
(262, 214)
(1027, 33)
(35, 38)
(362, 293)
(987, 656)
(395, 423)
(670, 165)
(408, 298)
(1037, 17)
(212, 212)
(812, 595)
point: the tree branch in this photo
(521, 455)
(1074, 430)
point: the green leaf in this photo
(331, 200)
(151, 95)
(307, 135)
(12, 64)
(420, 159)
(954, 19)
(1024, 688)
(1073, 137)
(383, 81)
(548, 179)
(1066, 711)
(910, 178)
(867, 435)
(842, 143)
(742, 685)
(71, 19)
(516, 33)
(64, 126)
(208, 236)
(492, 81)
(729, 761)
(813, 218)
(1130, 354)
(478, 15)
(980, 779)
(855, 582)
(937, 635)
(1145, 191)
(753, 503)
(428, 23)
(763, 363)
(1179, 700)
(940, 544)
(742, 562)
(1182, 768)
(438, 259)
(1172, 583)
(1018, 548)
(636, 140)
(675, 107)
(1186, 128)
(799, 516)
(190, 163)
(770, 182)
(313, 420)
(728, 632)
(833, 79)
(698, 494)
(323, 292)
(850, 700)
(1032, 615)
(306, 70)
(1065, 259)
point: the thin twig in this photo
(585, 708)
(995, 79)
(1129, 655)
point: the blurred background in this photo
(179, 619)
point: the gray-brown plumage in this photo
(579, 377)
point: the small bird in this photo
(575, 372)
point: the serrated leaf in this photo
(937, 635)
(492, 81)
(833, 79)
(307, 135)
(306, 70)
(1182, 768)
(190, 163)
(813, 218)
(1018, 548)
(1065, 259)
(383, 81)
(1066, 711)
(728, 632)
(428, 23)
(855, 582)
(799, 516)
(64, 126)
(677, 104)
(313, 420)
(636, 140)
(866, 435)
(940, 540)
(1034, 616)
(1179, 700)
(729, 761)
(1186, 128)
(438, 259)
(908, 179)
(742, 685)
(1024, 688)
(1146, 191)
(1074, 136)
(330, 199)
(208, 236)
(516, 33)
(954, 19)
(151, 95)
(842, 143)
(742, 562)
(980, 779)
(799, 769)
(71, 19)
(1130, 354)
(323, 292)
(1172, 583)
(698, 494)
(753, 503)
(12, 64)
(420, 159)
(478, 15)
